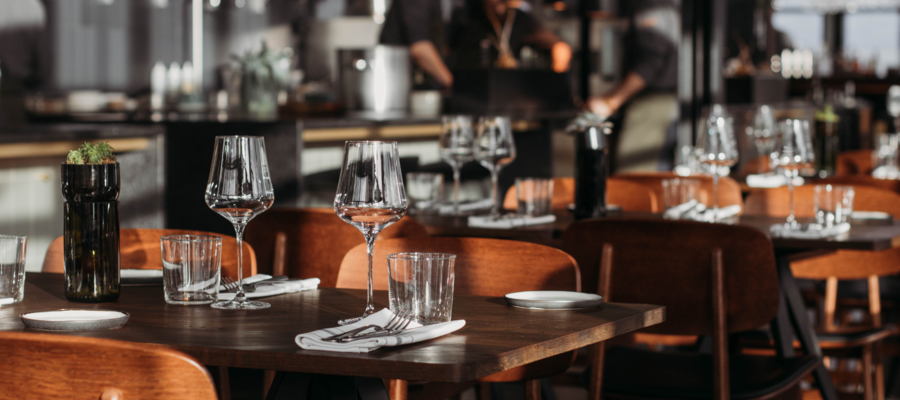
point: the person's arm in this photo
(608, 104)
(541, 37)
(427, 57)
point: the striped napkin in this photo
(313, 340)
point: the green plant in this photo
(100, 153)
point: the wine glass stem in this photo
(239, 235)
(455, 189)
(790, 183)
(370, 300)
(715, 202)
(495, 193)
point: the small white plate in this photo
(141, 276)
(74, 320)
(553, 300)
(870, 215)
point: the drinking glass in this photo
(12, 268)
(833, 204)
(793, 152)
(424, 190)
(191, 268)
(763, 132)
(680, 197)
(370, 196)
(718, 148)
(421, 284)
(456, 147)
(494, 148)
(239, 189)
(534, 195)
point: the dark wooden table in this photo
(791, 318)
(496, 337)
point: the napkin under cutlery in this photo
(444, 209)
(509, 221)
(272, 288)
(770, 180)
(813, 231)
(693, 210)
(313, 340)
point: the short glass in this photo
(422, 284)
(833, 204)
(534, 195)
(424, 189)
(191, 268)
(12, 268)
(680, 197)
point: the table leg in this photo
(289, 386)
(797, 312)
(371, 389)
(300, 386)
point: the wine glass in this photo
(239, 189)
(763, 132)
(494, 148)
(456, 147)
(718, 148)
(793, 152)
(370, 196)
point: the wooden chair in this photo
(843, 265)
(486, 267)
(140, 249)
(631, 196)
(311, 242)
(45, 366)
(729, 189)
(714, 280)
(854, 162)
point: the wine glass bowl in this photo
(370, 196)
(763, 131)
(239, 189)
(793, 152)
(456, 147)
(717, 148)
(494, 148)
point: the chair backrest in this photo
(316, 239)
(140, 249)
(45, 366)
(758, 165)
(629, 195)
(729, 189)
(669, 263)
(854, 162)
(486, 267)
(892, 185)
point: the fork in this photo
(229, 284)
(361, 329)
(396, 322)
(399, 326)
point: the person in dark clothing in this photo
(419, 25)
(649, 87)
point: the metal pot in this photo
(375, 78)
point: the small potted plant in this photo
(90, 185)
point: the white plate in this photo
(870, 215)
(553, 300)
(74, 320)
(141, 276)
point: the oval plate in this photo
(74, 320)
(553, 300)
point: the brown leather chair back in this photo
(729, 189)
(668, 263)
(140, 249)
(487, 267)
(854, 162)
(629, 195)
(758, 165)
(45, 366)
(316, 240)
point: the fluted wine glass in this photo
(793, 152)
(494, 148)
(456, 147)
(763, 131)
(239, 189)
(370, 196)
(717, 146)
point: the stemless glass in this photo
(793, 152)
(370, 196)
(763, 132)
(494, 148)
(239, 189)
(455, 143)
(718, 148)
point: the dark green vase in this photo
(91, 236)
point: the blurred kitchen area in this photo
(159, 79)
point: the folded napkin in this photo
(273, 288)
(464, 207)
(508, 221)
(681, 210)
(771, 180)
(313, 340)
(886, 172)
(708, 215)
(813, 231)
(693, 210)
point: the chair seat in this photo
(644, 373)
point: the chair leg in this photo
(867, 373)
(533, 389)
(483, 391)
(879, 371)
(268, 378)
(398, 388)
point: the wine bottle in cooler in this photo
(591, 170)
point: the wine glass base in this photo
(241, 305)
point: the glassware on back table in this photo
(793, 152)
(370, 196)
(717, 147)
(494, 148)
(763, 132)
(456, 141)
(239, 189)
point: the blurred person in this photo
(648, 91)
(419, 24)
(488, 33)
(21, 55)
